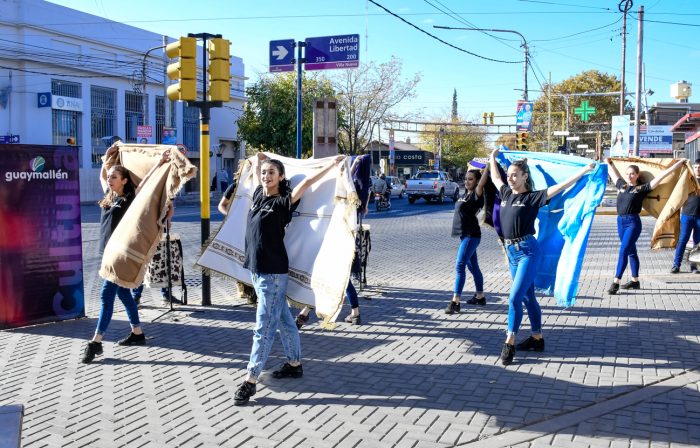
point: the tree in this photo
(591, 81)
(268, 122)
(455, 114)
(507, 140)
(460, 143)
(368, 95)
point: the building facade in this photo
(407, 160)
(67, 77)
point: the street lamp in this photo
(524, 45)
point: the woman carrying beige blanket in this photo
(119, 194)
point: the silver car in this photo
(398, 188)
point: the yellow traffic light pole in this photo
(217, 72)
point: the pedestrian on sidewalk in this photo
(630, 195)
(465, 225)
(690, 222)
(266, 257)
(520, 204)
(119, 194)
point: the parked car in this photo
(398, 188)
(432, 185)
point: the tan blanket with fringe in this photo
(136, 238)
(319, 240)
(666, 200)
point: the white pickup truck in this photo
(431, 185)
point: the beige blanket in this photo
(319, 240)
(136, 238)
(666, 200)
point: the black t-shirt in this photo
(629, 198)
(264, 239)
(110, 217)
(519, 211)
(464, 222)
(692, 205)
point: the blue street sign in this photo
(282, 55)
(9, 139)
(330, 52)
(43, 99)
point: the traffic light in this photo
(183, 70)
(219, 70)
(491, 118)
(522, 141)
(485, 114)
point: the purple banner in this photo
(41, 259)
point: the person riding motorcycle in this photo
(382, 187)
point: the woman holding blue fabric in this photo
(630, 195)
(466, 226)
(520, 203)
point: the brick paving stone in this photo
(412, 376)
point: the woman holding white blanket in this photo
(266, 257)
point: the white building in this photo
(67, 75)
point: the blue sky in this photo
(671, 51)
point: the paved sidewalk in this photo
(617, 370)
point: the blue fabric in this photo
(523, 261)
(361, 177)
(564, 224)
(688, 224)
(466, 258)
(629, 227)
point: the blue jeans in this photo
(688, 224)
(273, 313)
(629, 227)
(107, 295)
(466, 257)
(351, 295)
(523, 258)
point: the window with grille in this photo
(190, 127)
(134, 114)
(160, 118)
(103, 119)
(65, 124)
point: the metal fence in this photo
(103, 119)
(66, 124)
(133, 114)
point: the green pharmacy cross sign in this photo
(585, 111)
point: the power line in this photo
(579, 33)
(440, 40)
(667, 23)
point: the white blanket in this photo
(319, 240)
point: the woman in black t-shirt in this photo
(266, 257)
(630, 195)
(120, 193)
(519, 206)
(466, 226)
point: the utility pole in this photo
(549, 112)
(166, 100)
(623, 9)
(638, 105)
(300, 61)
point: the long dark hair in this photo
(285, 187)
(129, 188)
(522, 166)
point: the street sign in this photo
(573, 139)
(582, 146)
(564, 133)
(144, 131)
(282, 55)
(329, 52)
(9, 139)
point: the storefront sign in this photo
(66, 103)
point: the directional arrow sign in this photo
(282, 55)
(328, 52)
